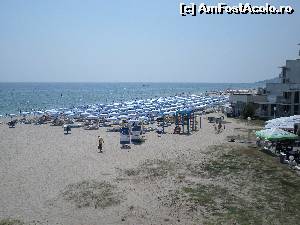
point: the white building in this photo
(277, 99)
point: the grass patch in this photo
(195, 169)
(245, 136)
(218, 204)
(152, 169)
(10, 221)
(273, 195)
(91, 193)
(132, 172)
(228, 163)
(205, 195)
(245, 187)
(253, 122)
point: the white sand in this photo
(38, 162)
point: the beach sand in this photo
(39, 163)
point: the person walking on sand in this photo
(100, 142)
(219, 127)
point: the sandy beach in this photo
(38, 162)
(51, 178)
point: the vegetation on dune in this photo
(10, 221)
(91, 193)
(151, 169)
(256, 190)
(235, 185)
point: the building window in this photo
(296, 98)
(287, 95)
(264, 107)
(296, 109)
(273, 108)
(286, 108)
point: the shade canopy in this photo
(283, 122)
(274, 134)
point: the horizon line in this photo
(153, 82)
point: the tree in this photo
(248, 111)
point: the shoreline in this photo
(47, 97)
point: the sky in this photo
(141, 41)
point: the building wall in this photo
(293, 71)
(281, 99)
(275, 89)
(258, 98)
(235, 98)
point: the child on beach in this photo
(100, 142)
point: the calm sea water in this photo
(29, 96)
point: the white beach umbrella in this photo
(68, 112)
(92, 117)
(39, 112)
(131, 115)
(123, 117)
(114, 114)
(79, 111)
(145, 118)
(133, 121)
(112, 118)
(85, 114)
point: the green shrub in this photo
(248, 111)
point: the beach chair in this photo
(211, 119)
(67, 129)
(12, 124)
(177, 130)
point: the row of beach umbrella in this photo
(138, 109)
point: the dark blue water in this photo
(34, 96)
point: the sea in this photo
(40, 96)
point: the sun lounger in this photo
(91, 127)
(75, 125)
(297, 168)
(211, 119)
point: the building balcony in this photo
(282, 100)
(261, 113)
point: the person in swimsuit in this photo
(100, 142)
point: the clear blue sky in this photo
(100, 41)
